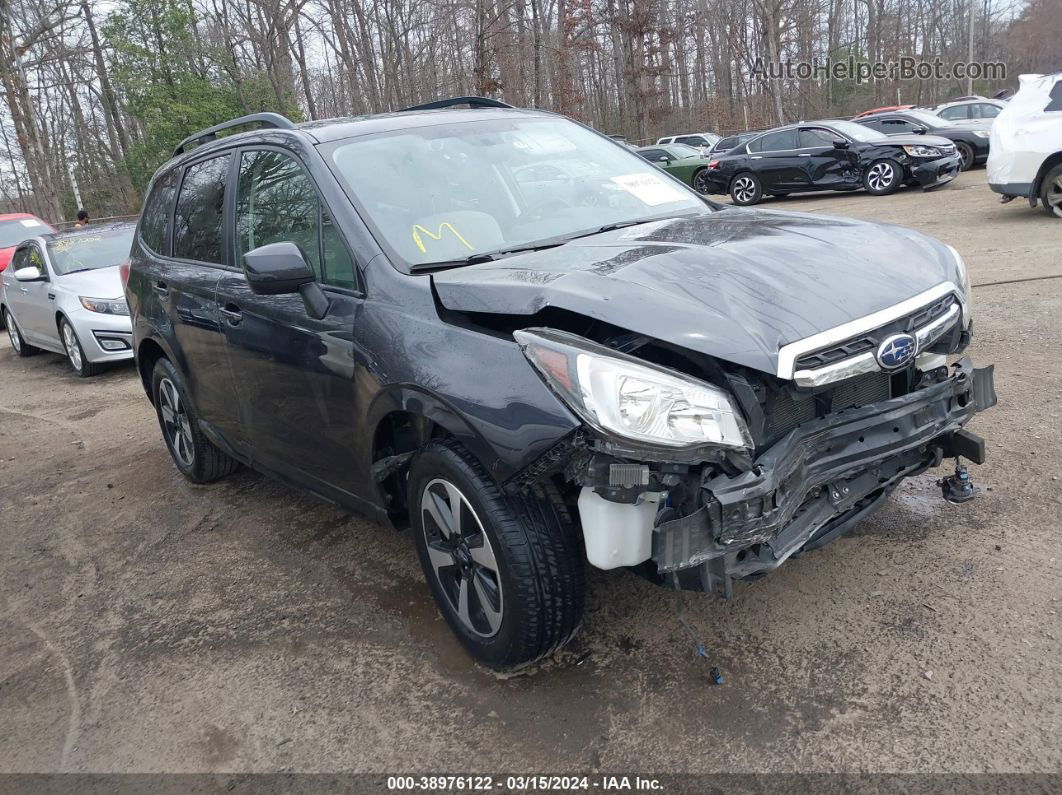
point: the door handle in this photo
(161, 287)
(232, 313)
(804, 154)
(51, 296)
(757, 157)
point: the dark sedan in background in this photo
(830, 155)
(970, 137)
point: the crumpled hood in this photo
(736, 284)
(98, 283)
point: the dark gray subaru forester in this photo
(515, 336)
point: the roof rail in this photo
(472, 102)
(210, 133)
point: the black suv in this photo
(374, 310)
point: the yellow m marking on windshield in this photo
(419, 230)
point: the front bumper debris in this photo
(819, 480)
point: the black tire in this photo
(966, 155)
(75, 353)
(699, 180)
(1051, 192)
(193, 454)
(18, 342)
(531, 602)
(745, 189)
(882, 177)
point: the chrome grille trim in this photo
(788, 354)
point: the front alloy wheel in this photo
(882, 177)
(462, 558)
(74, 352)
(506, 570)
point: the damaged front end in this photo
(746, 469)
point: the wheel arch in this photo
(1049, 163)
(148, 354)
(403, 420)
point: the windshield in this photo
(14, 231)
(858, 132)
(83, 252)
(928, 119)
(447, 192)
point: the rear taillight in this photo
(123, 273)
(714, 164)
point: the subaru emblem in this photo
(896, 351)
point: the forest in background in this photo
(97, 94)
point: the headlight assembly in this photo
(919, 150)
(105, 306)
(626, 397)
(964, 284)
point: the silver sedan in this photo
(63, 293)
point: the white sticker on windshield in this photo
(649, 188)
(30, 222)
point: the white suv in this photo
(1025, 157)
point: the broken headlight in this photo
(627, 397)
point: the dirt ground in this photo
(150, 625)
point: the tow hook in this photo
(958, 488)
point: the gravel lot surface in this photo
(150, 625)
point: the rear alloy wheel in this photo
(700, 180)
(194, 455)
(1051, 192)
(966, 155)
(75, 354)
(506, 571)
(745, 189)
(18, 344)
(883, 177)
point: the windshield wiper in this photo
(491, 256)
(485, 256)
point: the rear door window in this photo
(158, 210)
(775, 142)
(200, 208)
(955, 113)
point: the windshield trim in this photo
(326, 150)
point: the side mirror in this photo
(840, 144)
(29, 274)
(280, 269)
(277, 269)
(920, 130)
